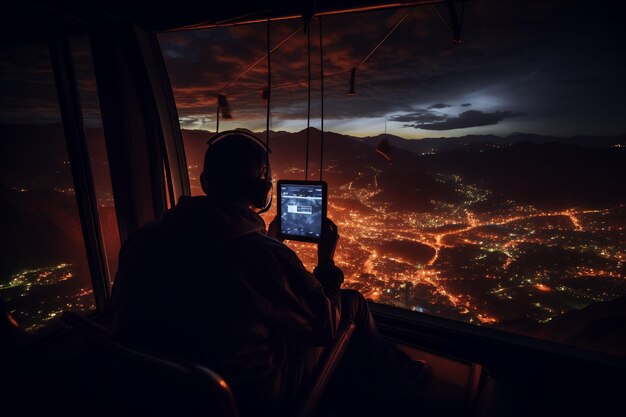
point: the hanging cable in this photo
(445, 22)
(462, 17)
(385, 38)
(351, 91)
(308, 107)
(321, 99)
(269, 95)
(252, 65)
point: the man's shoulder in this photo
(269, 244)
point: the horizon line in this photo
(5, 123)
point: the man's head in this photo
(236, 170)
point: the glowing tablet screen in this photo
(302, 209)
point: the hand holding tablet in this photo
(328, 242)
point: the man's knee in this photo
(352, 297)
(354, 305)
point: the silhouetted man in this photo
(206, 283)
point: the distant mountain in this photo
(528, 169)
(552, 175)
(347, 160)
(429, 145)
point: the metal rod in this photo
(393, 29)
(308, 106)
(321, 98)
(269, 97)
(252, 65)
(445, 22)
(234, 22)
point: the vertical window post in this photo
(177, 177)
(71, 113)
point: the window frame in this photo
(56, 33)
(492, 348)
(75, 139)
(438, 334)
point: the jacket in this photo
(205, 283)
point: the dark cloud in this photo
(470, 118)
(555, 61)
(196, 121)
(420, 116)
(524, 55)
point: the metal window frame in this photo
(177, 175)
(72, 116)
(132, 127)
(457, 340)
(160, 136)
(493, 348)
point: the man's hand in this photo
(272, 229)
(328, 242)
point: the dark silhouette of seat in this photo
(138, 383)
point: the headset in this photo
(260, 190)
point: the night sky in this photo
(544, 67)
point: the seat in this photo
(141, 384)
(137, 383)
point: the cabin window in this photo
(481, 182)
(96, 146)
(44, 268)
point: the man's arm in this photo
(326, 272)
(316, 308)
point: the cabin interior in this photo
(117, 125)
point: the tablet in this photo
(301, 209)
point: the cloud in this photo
(196, 121)
(440, 106)
(204, 62)
(420, 116)
(470, 118)
(417, 64)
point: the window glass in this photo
(481, 182)
(96, 146)
(44, 267)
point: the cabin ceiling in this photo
(181, 13)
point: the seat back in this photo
(137, 383)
